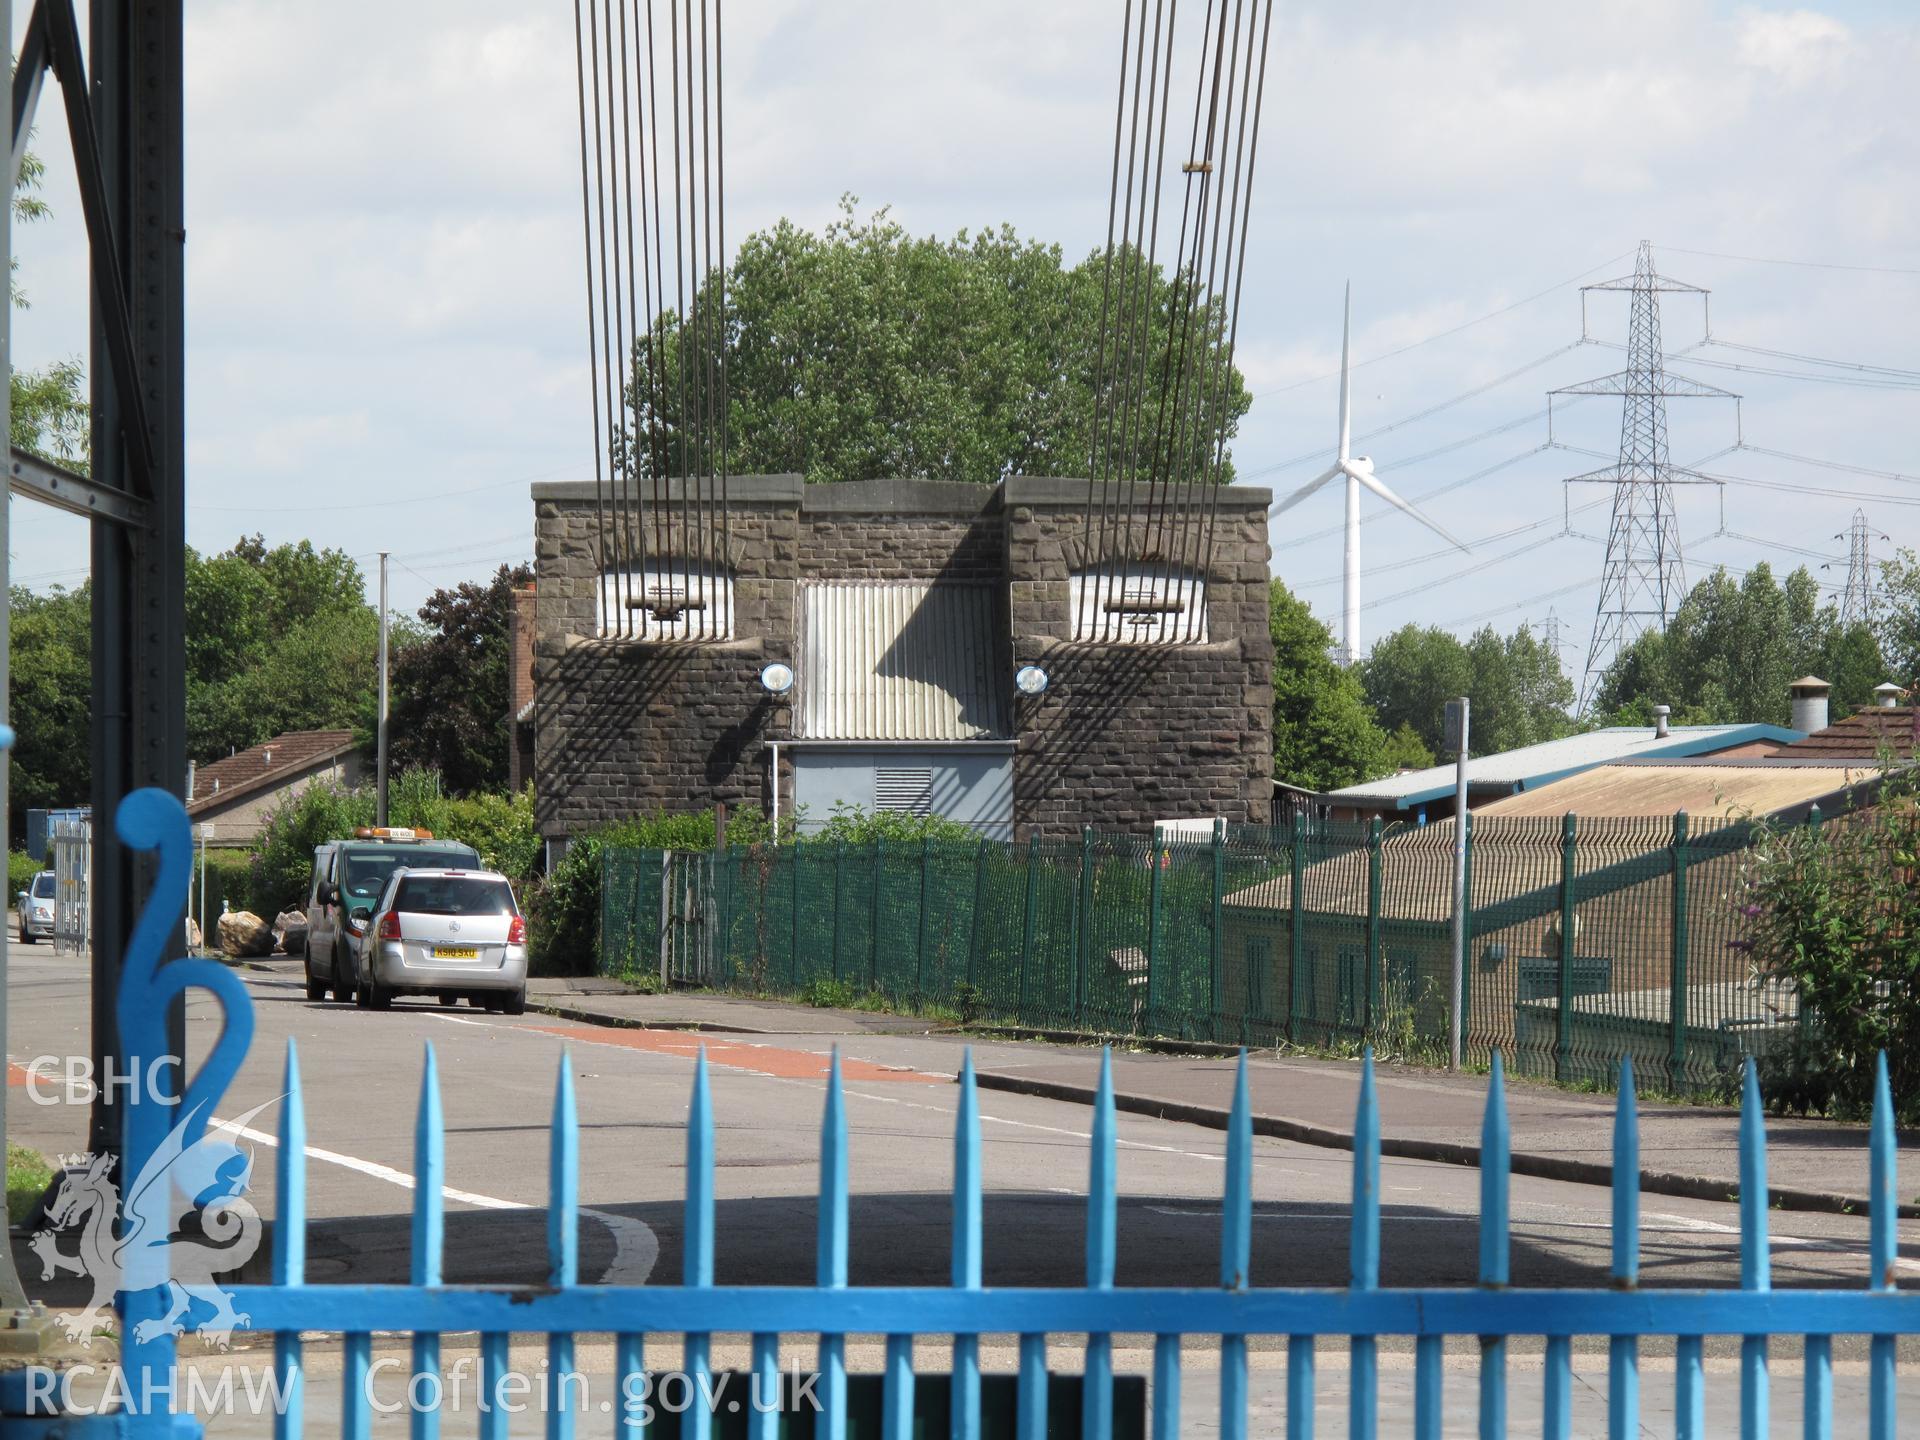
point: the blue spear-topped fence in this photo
(1233, 1311)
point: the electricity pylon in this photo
(1645, 575)
(1856, 601)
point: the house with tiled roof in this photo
(234, 796)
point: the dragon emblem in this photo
(189, 1201)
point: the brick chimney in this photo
(520, 687)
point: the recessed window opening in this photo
(1138, 605)
(668, 600)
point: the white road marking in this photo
(1777, 1242)
(635, 1247)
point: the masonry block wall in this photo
(626, 726)
(1129, 734)
(1123, 736)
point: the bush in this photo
(229, 883)
(284, 862)
(500, 827)
(850, 825)
(825, 993)
(21, 868)
(564, 914)
(1834, 911)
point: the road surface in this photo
(361, 1073)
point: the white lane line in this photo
(1778, 1242)
(635, 1247)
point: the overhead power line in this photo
(1434, 493)
(1410, 562)
(1788, 488)
(1856, 382)
(1828, 464)
(1796, 264)
(1322, 452)
(1821, 555)
(1509, 606)
(1888, 370)
(1464, 325)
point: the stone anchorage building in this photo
(904, 609)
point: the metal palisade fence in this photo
(1588, 939)
(1224, 1306)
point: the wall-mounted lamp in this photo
(777, 678)
(1030, 680)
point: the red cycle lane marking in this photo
(761, 1059)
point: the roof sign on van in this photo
(390, 832)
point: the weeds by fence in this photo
(1327, 935)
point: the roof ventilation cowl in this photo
(1660, 727)
(1808, 696)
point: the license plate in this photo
(455, 952)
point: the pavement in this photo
(596, 1001)
(1685, 1150)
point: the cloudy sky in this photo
(385, 343)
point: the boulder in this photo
(194, 937)
(244, 934)
(290, 932)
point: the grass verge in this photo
(28, 1174)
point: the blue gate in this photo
(1232, 1310)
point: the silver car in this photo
(448, 933)
(36, 908)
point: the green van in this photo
(347, 881)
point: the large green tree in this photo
(450, 687)
(1324, 736)
(863, 352)
(48, 411)
(278, 638)
(52, 683)
(1899, 618)
(1732, 648)
(1520, 694)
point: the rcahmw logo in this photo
(206, 1181)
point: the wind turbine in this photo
(1358, 470)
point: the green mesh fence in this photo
(1323, 935)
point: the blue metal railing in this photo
(1233, 1310)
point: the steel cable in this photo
(586, 232)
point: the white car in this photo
(36, 908)
(447, 933)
